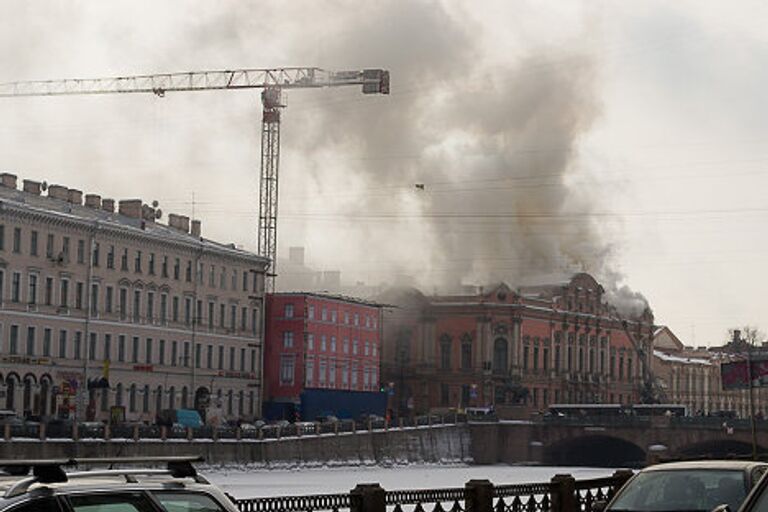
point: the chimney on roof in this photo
(75, 196)
(58, 192)
(196, 228)
(108, 205)
(736, 336)
(93, 201)
(178, 222)
(130, 208)
(8, 180)
(32, 187)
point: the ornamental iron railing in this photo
(562, 494)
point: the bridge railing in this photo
(561, 494)
(612, 421)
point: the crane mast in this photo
(272, 81)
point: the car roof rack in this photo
(50, 471)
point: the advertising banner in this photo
(735, 375)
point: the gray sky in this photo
(621, 138)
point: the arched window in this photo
(500, 353)
(10, 400)
(184, 397)
(445, 352)
(27, 394)
(172, 398)
(466, 353)
(145, 400)
(119, 395)
(132, 398)
(241, 403)
(105, 399)
(229, 402)
(159, 400)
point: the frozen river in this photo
(243, 483)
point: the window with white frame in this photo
(311, 312)
(354, 347)
(322, 343)
(333, 316)
(321, 373)
(288, 312)
(333, 344)
(310, 342)
(373, 349)
(345, 374)
(332, 373)
(374, 378)
(366, 378)
(357, 319)
(32, 288)
(324, 314)
(287, 363)
(354, 376)
(345, 345)
(367, 348)
(16, 287)
(288, 339)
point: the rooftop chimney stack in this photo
(196, 228)
(173, 220)
(32, 187)
(108, 205)
(75, 196)
(130, 208)
(93, 201)
(58, 192)
(184, 223)
(8, 180)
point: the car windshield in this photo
(682, 491)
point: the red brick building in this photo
(524, 348)
(315, 341)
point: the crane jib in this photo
(372, 81)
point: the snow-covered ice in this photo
(242, 482)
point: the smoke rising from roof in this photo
(493, 147)
(494, 140)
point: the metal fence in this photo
(562, 494)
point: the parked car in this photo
(756, 500)
(696, 486)
(179, 488)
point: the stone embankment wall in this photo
(436, 444)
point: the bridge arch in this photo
(595, 451)
(719, 449)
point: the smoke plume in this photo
(469, 172)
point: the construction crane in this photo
(272, 81)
